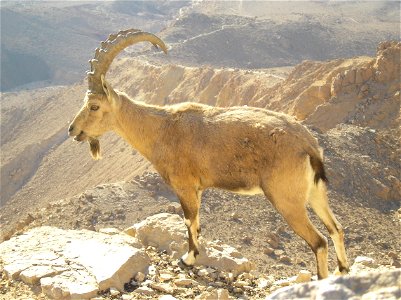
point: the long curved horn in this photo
(109, 50)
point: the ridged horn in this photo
(110, 48)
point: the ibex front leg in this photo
(190, 202)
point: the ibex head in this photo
(97, 115)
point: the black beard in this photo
(94, 146)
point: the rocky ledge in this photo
(142, 263)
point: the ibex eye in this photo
(94, 107)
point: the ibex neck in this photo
(139, 124)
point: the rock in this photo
(387, 64)
(240, 283)
(370, 285)
(349, 77)
(285, 281)
(185, 282)
(162, 287)
(273, 240)
(203, 272)
(366, 261)
(268, 250)
(167, 297)
(358, 76)
(278, 252)
(220, 294)
(144, 290)
(110, 231)
(223, 257)
(139, 277)
(165, 276)
(392, 254)
(174, 208)
(235, 215)
(127, 297)
(285, 259)
(366, 73)
(130, 231)
(336, 85)
(114, 291)
(364, 88)
(263, 283)
(72, 263)
(168, 233)
(303, 276)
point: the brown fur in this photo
(240, 149)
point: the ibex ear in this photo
(107, 88)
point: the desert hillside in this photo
(334, 66)
(47, 43)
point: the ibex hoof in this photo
(188, 259)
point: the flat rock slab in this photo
(367, 285)
(167, 232)
(72, 264)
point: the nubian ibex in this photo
(193, 146)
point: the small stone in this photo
(235, 215)
(285, 259)
(130, 231)
(162, 287)
(366, 261)
(185, 282)
(114, 291)
(222, 294)
(268, 250)
(278, 252)
(364, 88)
(263, 283)
(174, 208)
(144, 290)
(167, 297)
(109, 231)
(392, 254)
(285, 281)
(303, 276)
(127, 297)
(273, 242)
(140, 277)
(203, 272)
(240, 283)
(219, 284)
(396, 263)
(165, 276)
(237, 290)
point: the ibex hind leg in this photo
(296, 216)
(319, 202)
(190, 203)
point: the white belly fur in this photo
(256, 190)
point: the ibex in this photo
(193, 147)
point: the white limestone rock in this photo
(167, 232)
(368, 285)
(73, 264)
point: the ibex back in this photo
(194, 147)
